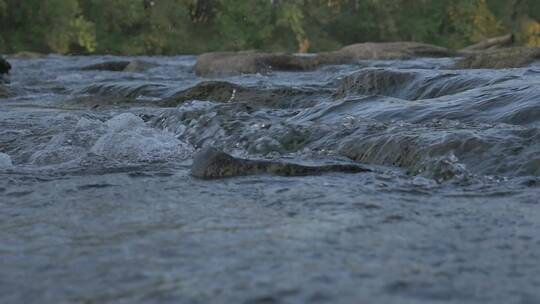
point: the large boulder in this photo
(210, 163)
(231, 63)
(383, 51)
(514, 57)
(235, 63)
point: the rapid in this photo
(97, 203)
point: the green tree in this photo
(47, 25)
(134, 27)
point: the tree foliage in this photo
(192, 26)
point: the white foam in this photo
(125, 121)
(124, 138)
(72, 145)
(87, 124)
(5, 161)
(129, 139)
(60, 149)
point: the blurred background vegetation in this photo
(134, 27)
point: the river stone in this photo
(383, 51)
(4, 66)
(249, 62)
(235, 63)
(490, 44)
(211, 163)
(514, 57)
(120, 66)
(26, 55)
(222, 91)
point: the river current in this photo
(97, 204)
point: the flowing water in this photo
(97, 204)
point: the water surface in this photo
(97, 204)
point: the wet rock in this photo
(98, 102)
(409, 85)
(113, 66)
(137, 66)
(222, 91)
(218, 91)
(120, 66)
(376, 82)
(505, 58)
(3, 91)
(211, 163)
(26, 55)
(490, 44)
(230, 63)
(129, 139)
(383, 51)
(5, 67)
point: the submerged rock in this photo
(374, 81)
(137, 66)
(120, 66)
(3, 91)
(407, 84)
(96, 102)
(129, 139)
(211, 163)
(515, 57)
(230, 63)
(222, 91)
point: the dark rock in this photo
(230, 63)
(120, 66)
(222, 91)
(113, 66)
(137, 66)
(4, 66)
(218, 91)
(505, 58)
(103, 102)
(210, 163)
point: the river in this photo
(97, 204)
